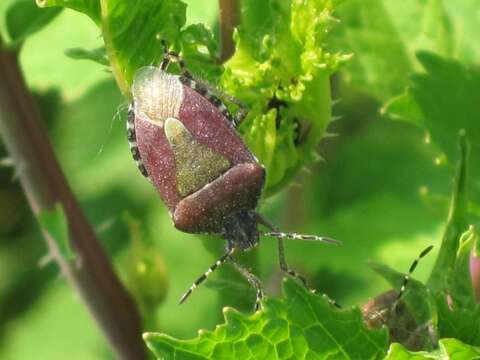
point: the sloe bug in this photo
(390, 310)
(185, 143)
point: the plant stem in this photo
(229, 20)
(45, 185)
(457, 222)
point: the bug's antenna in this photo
(411, 270)
(204, 276)
(295, 236)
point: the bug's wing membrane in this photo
(156, 94)
(196, 164)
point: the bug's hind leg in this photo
(253, 281)
(284, 267)
(282, 260)
(132, 141)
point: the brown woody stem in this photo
(229, 20)
(45, 185)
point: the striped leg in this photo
(213, 94)
(203, 88)
(132, 141)
(284, 267)
(171, 56)
(282, 260)
(411, 270)
(253, 281)
(204, 276)
(281, 250)
(295, 236)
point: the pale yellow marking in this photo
(196, 164)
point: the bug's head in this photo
(240, 230)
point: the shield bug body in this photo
(184, 141)
(390, 310)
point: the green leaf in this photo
(465, 24)
(455, 349)
(132, 30)
(403, 107)
(398, 352)
(447, 97)
(449, 349)
(97, 55)
(281, 69)
(459, 323)
(460, 286)
(302, 325)
(23, 18)
(456, 225)
(88, 7)
(384, 39)
(55, 223)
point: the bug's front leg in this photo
(204, 89)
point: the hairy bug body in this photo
(184, 141)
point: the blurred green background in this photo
(380, 191)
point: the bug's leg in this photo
(281, 252)
(253, 281)
(204, 89)
(167, 59)
(201, 279)
(171, 56)
(282, 260)
(290, 235)
(214, 95)
(305, 237)
(132, 142)
(284, 267)
(241, 113)
(411, 270)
